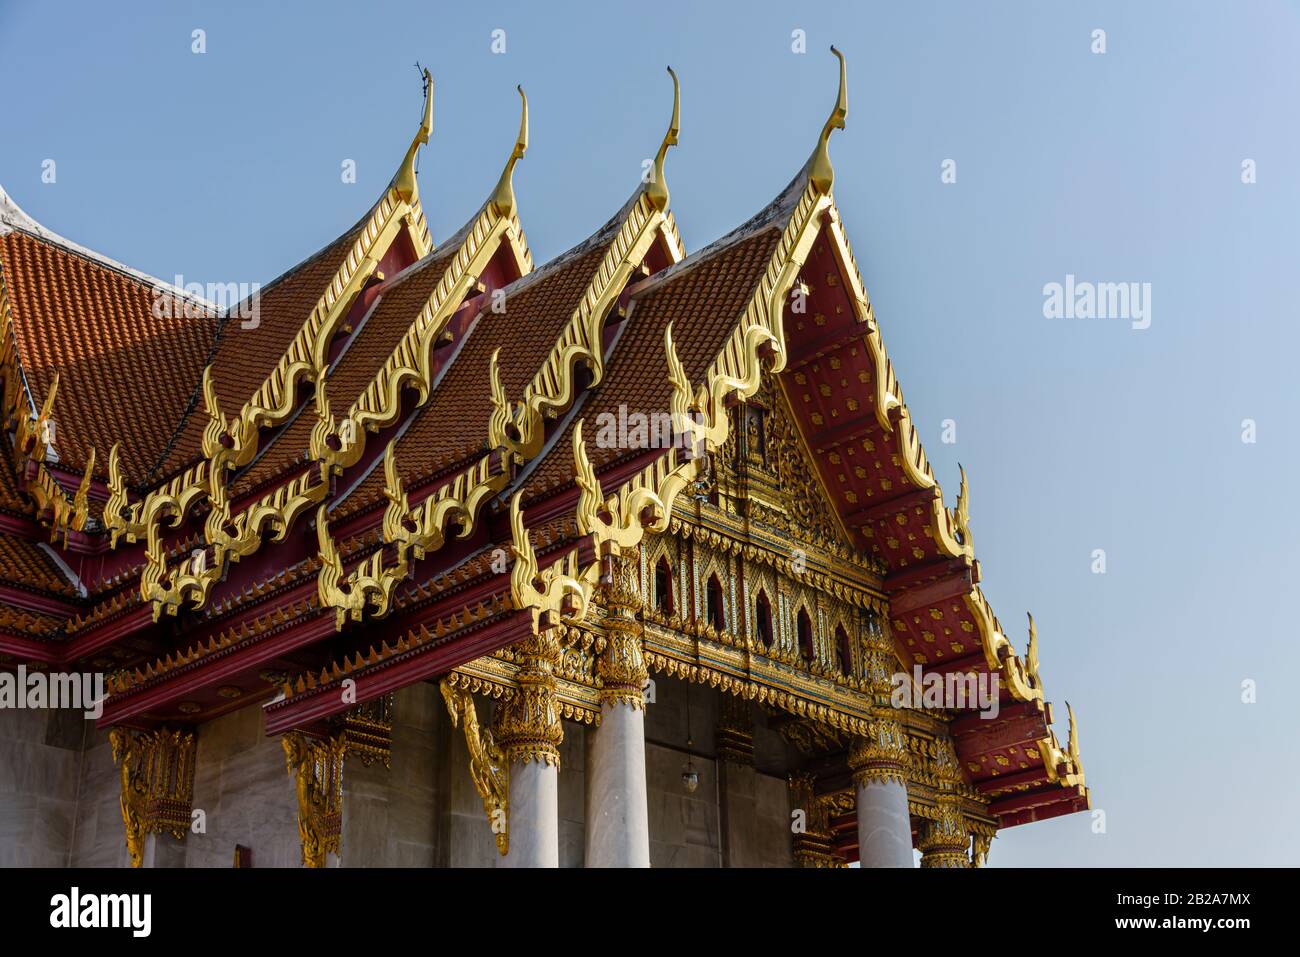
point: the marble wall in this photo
(59, 793)
(244, 790)
(41, 755)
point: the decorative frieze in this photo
(157, 778)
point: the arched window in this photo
(804, 629)
(664, 586)
(843, 652)
(763, 620)
(713, 604)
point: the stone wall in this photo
(242, 786)
(40, 769)
(59, 793)
(390, 814)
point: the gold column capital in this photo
(526, 725)
(943, 842)
(881, 754)
(316, 766)
(621, 667)
(157, 780)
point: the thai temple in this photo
(446, 557)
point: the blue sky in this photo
(1076, 434)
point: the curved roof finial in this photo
(503, 197)
(822, 175)
(404, 181)
(658, 188)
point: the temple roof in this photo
(348, 464)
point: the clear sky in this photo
(1077, 435)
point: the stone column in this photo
(737, 782)
(528, 731)
(618, 820)
(878, 761)
(157, 770)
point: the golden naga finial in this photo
(657, 191)
(822, 175)
(961, 513)
(404, 181)
(1031, 656)
(503, 197)
(1072, 746)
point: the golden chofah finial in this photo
(404, 182)
(1072, 743)
(1031, 656)
(503, 197)
(657, 191)
(822, 175)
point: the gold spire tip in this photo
(822, 175)
(503, 197)
(658, 187)
(404, 182)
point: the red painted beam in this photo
(28, 649)
(890, 507)
(929, 595)
(1031, 800)
(973, 724)
(901, 581)
(1004, 781)
(1071, 805)
(107, 633)
(999, 733)
(215, 668)
(31, 601)
(398, 672)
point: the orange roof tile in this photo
(703, 296)
(28, 565)
(244, 357)
(363, 356)
(454, 423)
(125, 371)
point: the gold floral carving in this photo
(516, 431)
(813, 846)
(228, 540)
(317, 770)
(621, 666)
(409, 364)
(489, 767)
(556, 592)
(881, 755)
(230, 443)
(157, 784)
(527, 723)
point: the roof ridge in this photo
(770, 216)
(13, 218)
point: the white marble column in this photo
(878, 761)
(528, 731)
(162, 850)
(534, 815)
(617, 818)
(884, 827)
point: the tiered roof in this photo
(349, 468)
